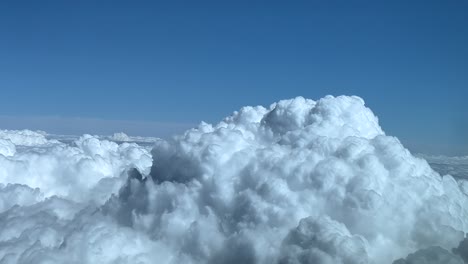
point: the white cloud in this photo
(24, 137)
(299, 182)
(432, 255)
(76, 171)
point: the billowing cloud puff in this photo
(88, 169)
(301, 181)
(432, 255)
(7, 148)
(24, 137)
(323, 240)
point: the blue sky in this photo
(170, 65)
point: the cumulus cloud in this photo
(300, 181)
(432, 255)
(24, 137)
(88, 168)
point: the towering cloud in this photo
(302, 181)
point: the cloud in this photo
(87, 169)
(455, 166)
(432, 255)
(76, 125)
(301, 181)
(23, 137)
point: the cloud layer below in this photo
(301, 181)
(455, 166)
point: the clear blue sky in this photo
(181, 62)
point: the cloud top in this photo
(301, 181)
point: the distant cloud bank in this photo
(455, 166)
(76, 126)
(300, 181)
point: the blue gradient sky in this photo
(172, 65)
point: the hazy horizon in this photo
(182, 63)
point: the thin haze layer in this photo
(302, 181)
(455, 166)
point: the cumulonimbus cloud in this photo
(301, 181)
